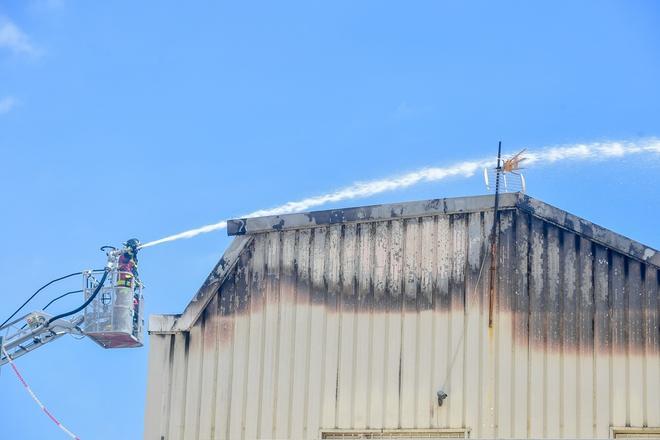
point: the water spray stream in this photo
(592, 151)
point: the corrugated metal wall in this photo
(359, 325)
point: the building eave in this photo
(196, 306)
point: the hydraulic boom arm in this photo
(34, 330)
(111, 312)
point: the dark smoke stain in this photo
(433, 204)
(563, 292)
(279, 225)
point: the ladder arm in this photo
(34, 330)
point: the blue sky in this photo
(149, 118)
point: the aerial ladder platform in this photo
(111, 314)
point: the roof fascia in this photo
(457, 205)
(196, 307)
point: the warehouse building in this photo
(380, 322)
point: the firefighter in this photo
(127, 287)
(128, 263)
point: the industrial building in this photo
(380, 322)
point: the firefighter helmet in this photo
(133, 243)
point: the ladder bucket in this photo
(114, 318)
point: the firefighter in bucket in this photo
(128, 279)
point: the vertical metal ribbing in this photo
(574, 329)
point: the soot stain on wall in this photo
(563, 292)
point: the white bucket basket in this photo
(114, 318)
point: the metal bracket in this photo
(441, 397)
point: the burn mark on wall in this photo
(357, 324)
(565, 292)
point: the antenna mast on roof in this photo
(494, 236)
(509, 166)
(507, 173)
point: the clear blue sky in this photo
(149, 118)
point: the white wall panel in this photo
(358, 325)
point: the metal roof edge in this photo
(162, 324)
(545, 211)
(455, 205)
(198, 303)
(243, 228)
(592, 231)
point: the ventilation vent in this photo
(396, 434)
(635, 433)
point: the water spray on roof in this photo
(358, 190)
(111, 313)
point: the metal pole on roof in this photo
(494, 242)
